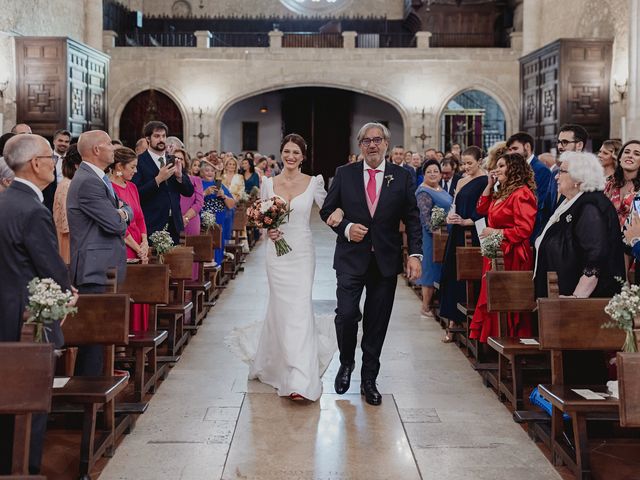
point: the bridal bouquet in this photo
(490, 245)
(270, 214)
(623, 308)
(208, 220)
(47, 304)
(162, 242)
(438, 218)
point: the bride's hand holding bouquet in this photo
(271, 214)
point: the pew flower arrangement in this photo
(271, 214)
(623, 308)
(162, 243)
(438, 218)
(490, 245)
(208, 220)
(47, 304)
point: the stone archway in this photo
(146, 106)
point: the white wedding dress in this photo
(291, 349)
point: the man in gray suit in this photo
(97, 226)
(29, 249)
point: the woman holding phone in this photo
(217, 200)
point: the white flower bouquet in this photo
(490, 245)
(208, 220)
(162, 242)
(47, 304)
(623, 308)
(438, 218)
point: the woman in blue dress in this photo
(219, 201)
(428, 195)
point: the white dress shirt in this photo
(155, 157)
(59, 159)
(365, 176)
(31, 186)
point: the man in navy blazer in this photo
(160, 183)
(522, 143)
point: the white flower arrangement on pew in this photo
(623, 308)
(47, 304)
(208, 220)
(162, 243)
(438, 218)
(490, 245)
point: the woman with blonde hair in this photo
(231, 178)
(608, 155)
(495, 152)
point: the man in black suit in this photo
(160, 182)
(374, 196)
(449, 180)
(61, 141)
(29, 249)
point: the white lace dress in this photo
(294, 347)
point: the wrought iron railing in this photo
(386, 40)
(173, 39)
(239, 39)
(312, 40)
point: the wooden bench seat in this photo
(469, 270)
(199, 287)
(176, 315)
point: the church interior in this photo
(229, 79)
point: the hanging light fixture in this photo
(264, 109)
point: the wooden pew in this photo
(224, 277)
(629, 388)
(200, 287)
(173, 316)
(102, 319)
(146, 284)
(26, 370)
(469, 270)
(574, 324)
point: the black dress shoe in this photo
(343, 378)
(370, 392)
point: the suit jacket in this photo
(544, 193)
(49, 193)
(29, 249)
(397, 203)
(96, 230)
(414, 175)
(453, 185)
(158, 201)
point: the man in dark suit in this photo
(160, 183)
(522, 143)
(61, 141)
(97, 226)
(449, 180)
(29, 249)
(375, 196)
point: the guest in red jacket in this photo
(511, 210)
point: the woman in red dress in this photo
(511, 209)
(120, 173)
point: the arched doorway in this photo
(328, 118)
(144, 107)
(472, 118)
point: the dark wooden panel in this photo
(629, 388)
(510, 291)
(101, 319)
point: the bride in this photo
(294, 348)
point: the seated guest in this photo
(511, 210)
(625, 182)
(29, 249)
(428, 195)
(461, 218)
(70, 163)
(218, 200)
(608, 154)
(248, 171)
(581, 241)
(120, 173)
(191, 206)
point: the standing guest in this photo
(248, 171)
(172, 144)
(353, 158)
(141, 146)
(160, 182)
(456, 149)
(190, 207)
(199, 156)
(608, 154)
(273, 165)
(496, 150)
(461, 218)
(217, 199)
(428, 195)
(29, 249)
(21, 129)
(70, 164)
(231, 178)
(408, 166)
(261, 166)
(625, 182)
(120, 173)
(194, 168)
(61, 142)
(450, 177)
(581, 241)
(511, 210)
(522, 143)
(407, 157)
(97, 226)
(416, 163)
(397, 155)
(4, 139)
(6, 175)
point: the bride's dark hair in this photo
(298, 140)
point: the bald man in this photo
(21, 128)
(97, 226)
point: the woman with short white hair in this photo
(582, 240)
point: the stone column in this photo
(275, 39)
(93, 23)
(633, 89)
(516, 41)
(423, 39)
(203, 38)
(109, 40)
(349, 39)
(531, 25)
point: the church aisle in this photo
(437, 420)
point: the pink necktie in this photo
(371, 185)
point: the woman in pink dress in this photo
(191, 206)
(120, 173)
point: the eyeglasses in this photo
(564, 143)
(51, 157)
(367, 141)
